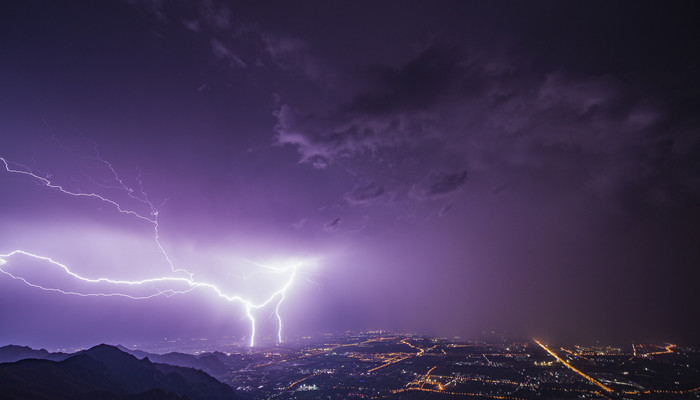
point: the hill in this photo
(106, 372)
(12, 353)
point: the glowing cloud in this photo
(181, 282)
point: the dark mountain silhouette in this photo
(215, 364)
(12, 353)
(105, 372)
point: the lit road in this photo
(571, 367)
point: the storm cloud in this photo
(439, 184)
(365, 193)
(526, 166)
(494, 115)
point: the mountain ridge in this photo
(105, 371)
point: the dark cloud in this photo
(243, 43)
(192, 25)
(439, 184)
(365, 194)
(496, 113)
(396, 110)
(322, 139)
(333, 226)
(154, 7)
(221, 51)
(292, 53)
(415, 86)
(215, 15)
(558, 141)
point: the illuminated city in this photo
(384, 365)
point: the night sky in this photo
(435, 167)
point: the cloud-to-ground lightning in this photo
(177, 284)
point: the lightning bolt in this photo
(186, 283)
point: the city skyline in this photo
(215, 168)
(382, 365)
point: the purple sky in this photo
(439, 167)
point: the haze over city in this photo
(443, 168)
